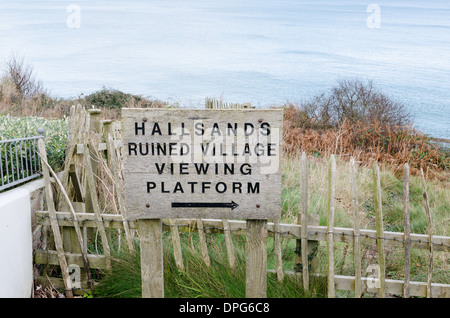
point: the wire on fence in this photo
(308, 237)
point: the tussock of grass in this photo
(392, 202)
(219, 281)
(392, 197)
(196, 280)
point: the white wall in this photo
(16, 253)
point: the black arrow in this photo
(231, 205)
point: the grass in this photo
(392, 200)
(305, 129)
(392, 197)
(196, 280)
(219, 281)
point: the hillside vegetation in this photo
(351, 119)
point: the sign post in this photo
(200, 163)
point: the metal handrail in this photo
(19, 161)
(20, 139)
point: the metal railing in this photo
(19, 161)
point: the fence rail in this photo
(19, 161)
(82, 160)
(236, 227)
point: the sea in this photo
(266, 52)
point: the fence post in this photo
(107, 133)
(256, 259)
(304, 218)
(407, 230)
(114, 166)
(94, 128)
(277, 244)
(426, 204)
(356, 229)
(54, 223)
(91, 190)
(330, 228)
(380, 233)
(152, 269)
(202, 239)
(174, 233)
(229, 243)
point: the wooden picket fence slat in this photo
(238, 227)
(426, 204)
(380, 234)
(407, 229)
(83, 158)
(356, 227)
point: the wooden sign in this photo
(202, 163)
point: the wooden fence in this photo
(75, 209)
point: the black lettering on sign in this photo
(150, 186)
(183, 168)
(201, 168)
(199, 129)
(192, 184)
(169, 127)
(270, 150)
(143, 153)
(137, 128)
(156, 129)
(247, 171)
(246, 126)
(205, 185)
(253, 189)
(160, 169)
(265, 126)
(233, 129)
(215, 130)
(132, 147)
(178, 188)
(237, 186)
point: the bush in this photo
(56, 132)
(110, 98)
(21, 77)
(354, 119)
(367, 143)
(353, 101)
(114, 99)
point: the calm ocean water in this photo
(264, 52)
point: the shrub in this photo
(353, 101)
(355, 119)
(21, 77)
(113, 99)
(56, 131)
(311, 114)
(391, 147)
(110, 98)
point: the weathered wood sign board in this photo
(202, 163)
